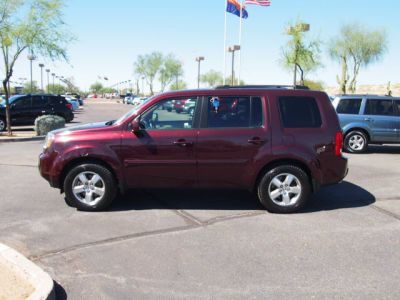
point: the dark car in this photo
(368, 119)
(281, 143)
(24, 109)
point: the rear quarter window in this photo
(349, 106)
(299, 112)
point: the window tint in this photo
(38, 101)
(180, 116)
(299, 112)
(53, 100)
(230, 112)
(379, 107)
(24, 102)
(349, 106)
(397, 103)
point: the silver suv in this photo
(368, 119)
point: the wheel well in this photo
(84, 160)
(358, 129)
(282, 162)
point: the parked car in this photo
(178, 105)
(168, 105)
(139, 100)
(76, 96)
(74, 102)
(189, 106)
(279, 142)
(25, 109)
(368, 119)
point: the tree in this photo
(212, 78)
(34, 25)
(356, 47)
(27, 87)
(57, 89)
(149, 66)
(180, 85)
(171, 70)
(96, 88)
(300, 54)
(314, 85)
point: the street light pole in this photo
(48, 81)
(41, 76)
(31, 58)
(53, 74)
(199, 59)
(143, 85)
(233, 49)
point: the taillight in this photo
(69, 106)
(338, 143)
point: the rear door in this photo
(232, 139)
(380, 114)
(40, 106)
(21, 110)
(397, 107)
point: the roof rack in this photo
(297, 87)
(362, 95)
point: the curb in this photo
(40, 280)
(22, 139)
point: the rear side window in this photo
(38, 101)
(379, 107)
(349, 106)
(231, 112)
(299, 112)
(397, 103)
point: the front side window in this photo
(234, 111)
(299, 112)
(162, 116)
(349, 106)
(379, 107)
(24, 102)
(37, 101)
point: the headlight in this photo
(49, 140)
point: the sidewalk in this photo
(22, 279)
(20, 135)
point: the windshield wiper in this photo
(109, 123)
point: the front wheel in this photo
(3, 125)
(284, 189)
(356, 142)
(90, 187)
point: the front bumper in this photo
(46, 169)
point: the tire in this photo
(355, 142)
(100, 193)
(3, 125)
(284, 189)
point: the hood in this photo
(81, 128)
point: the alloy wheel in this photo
(88, 188)
(285, 189)
(356, 142)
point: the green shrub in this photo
(47, 123)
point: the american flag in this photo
(259, 2)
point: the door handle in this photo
(183, 143)
(257, 141)
(368, 119)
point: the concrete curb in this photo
(22, 139)
(40, 280)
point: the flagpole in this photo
(225, 35)
(240, 41)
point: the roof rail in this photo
(298, 87)
(362, 95)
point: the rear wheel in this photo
(90, 187)
(284, 189)
(356, 142)
(3, 125)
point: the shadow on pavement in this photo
(344, 195)
(59, 292)
(383, 149)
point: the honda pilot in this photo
(279, 142)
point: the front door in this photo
(162, 153)
(21, 110)
(381, 117)
(231, 139)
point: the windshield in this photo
(132, 112)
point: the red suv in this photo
(279, 142)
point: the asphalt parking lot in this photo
(208, 244)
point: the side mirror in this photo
(135, 126)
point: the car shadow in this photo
(343, 195)
(59, 292)
(383, 149)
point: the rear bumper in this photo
(337, 172)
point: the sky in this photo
(111, 34)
